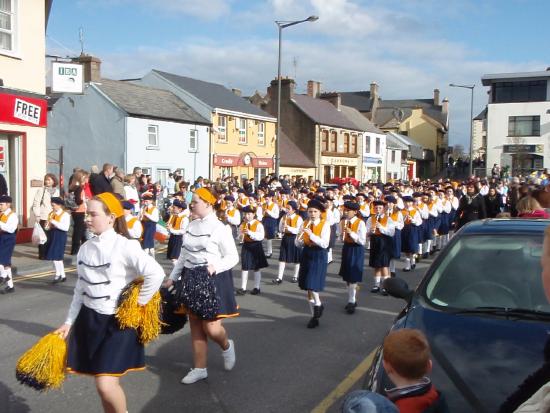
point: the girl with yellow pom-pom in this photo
(107, 263)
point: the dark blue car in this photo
(483, 308)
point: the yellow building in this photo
(242, 138)
(23, 106)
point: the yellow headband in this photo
(206, 195)
(113, 204)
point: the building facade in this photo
(518, 119)
(479, 136)
(23, 106)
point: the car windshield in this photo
(484, 271)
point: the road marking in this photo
(345, 384)
(376, 310)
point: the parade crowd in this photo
(117, 219)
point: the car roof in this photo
(505, 226)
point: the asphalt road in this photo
(281, 365)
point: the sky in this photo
(408, 47)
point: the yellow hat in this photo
(113, 204)
(206, 195)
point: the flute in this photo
(308, 226)
(346, 223)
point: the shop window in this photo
(152, 136)
(8, 26)
(226, 171)
(193, 140)
(222, 129)
(261, 134)
(259, 174)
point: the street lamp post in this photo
(471, 87)
(281, 25)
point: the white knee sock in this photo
(269, 243)
(377, 280)
(10, 278)
(352, 289)
(281, 270)
(60, 268)
(3, 272)
(428, 245)
(257, 279)
(392, 265)
(329, 258)
(152, 252)
(311, 304)
(316, 298)
(296, 270)
(56, 268)
(420, 249)
(413, 260)
(407, 263)
(244, 279)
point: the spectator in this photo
(528, 207)
(470, 207)
(42, 206)
(130, 192)
(117, 183)
(493, 203)
(364, 401)
(102, 183)
(495, 171)
(170, 184)
(80, 177)
(3, 185)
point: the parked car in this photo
(482, 306)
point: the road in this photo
(281, 365)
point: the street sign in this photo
(523, 148)
(67, 77)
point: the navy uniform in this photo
(135, 229)
(397, 218)
(252, 252)
(232, 216)
(149, 217)
(412, 223)
(354, 234)
(381, 229)
(270, 219)
(8, 231)
(289, 226)
(58, 225)
(177, 224)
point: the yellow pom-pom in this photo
(42, 367)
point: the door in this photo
(4, 160)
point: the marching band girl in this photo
(252, 253)
(397, 217)
(269, 221)
(135, 229)
(149, 216)
(333, 218)
(8, 229)
(354, 235)
(380, 228)
(412, 223)
(314, 238)
(424, 214)
(58, 224)
(232, 216)
(303, 200)
(177, 224)
(289, 226)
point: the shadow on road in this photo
(10, 402)
(27, 327)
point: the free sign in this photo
(27, 111)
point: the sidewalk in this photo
(25, 260)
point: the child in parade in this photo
(252, 253)
(354, 235)
(380, 228)
(135, 229)
(424, 214)
(177, 224)
(444, 225)
(412, 222)
(289, 226)
(302, 203)
(149, 216)
(397, 217)
(58, 225)
(242, 200)
(333, 218)
(8, 230)
(232, 216)
(107, 263)
(270, 211)
(314, 237)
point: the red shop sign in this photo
(262, 162)
(220, 160)
(22, 110)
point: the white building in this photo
(396, 154)
(518, 120)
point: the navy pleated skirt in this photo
(97, 346)
(225, 290)
(7, 244)
(149, 229)
(270, 227)
(313, 269)
(174, 246)
(421, 230)
(380, 251)
(429, 226)
(253, 256)
(55, 247)
(396, 244)
(332, 239)
(353, 260)
(289, 252)
(445, 225)
(409, 239)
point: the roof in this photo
(482, 115)
(393, 143)
(506, 226)
(385, 117)
(486, 80)
(323, 112)
(415, 149)
(214, 95)
(291, 154)
(360, 120)
(359, 100)
(427, 105)
(144, 101)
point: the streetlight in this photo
(281, 25)
(471, 87)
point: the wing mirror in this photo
(398, 288)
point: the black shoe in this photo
(432, 252)
(321, 310)
(277, 281)
(56, 280)
(383, 291)
(240, 291)
(392, 274)
(255, 291)
(375, 289)
(313, 322)
(294, 280)
(318, 311)
(350, 308)
(63, 279)
(406, 270)
(413, 266)
(8, 290)
(268, 255)
(425, 255)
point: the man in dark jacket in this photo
(493, 203)
(3, 185)
(102, 182)
(470, 207)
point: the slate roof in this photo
(359, 100)
(323, 112)
(482, 115)
(385, 117)
(415, 149)
(394, 143)
(214, 95)
(144, 101)
(427, 105)
(292, 155)
(360, 120)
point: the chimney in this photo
(287, 89)
(237, 92)
(445, 106)
(333, 97)
(436, 97)
(91, 66)
(373, 90)
(313, 88)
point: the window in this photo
(259, 174)
(261, 134)
(367, 144)
(162, 176)
(152, 136)
(524, 126)
(241, 126)
(324, 140)
(346, 143)
(222, 128)
(524, 91)
(353, 144)
(7, 25)
(193, 140)
(392, 156)
(378, 146)
(333, 141)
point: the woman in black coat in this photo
(493, 203)
(470, 207)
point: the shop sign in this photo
(369, 159)
(523, 148)
(67, 78)
(335, 160)
(296, 171)
(22, 110)
(262, 162)
(220, 160)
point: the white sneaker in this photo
(229, 356)
(194, 376)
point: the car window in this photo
(490, 270)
